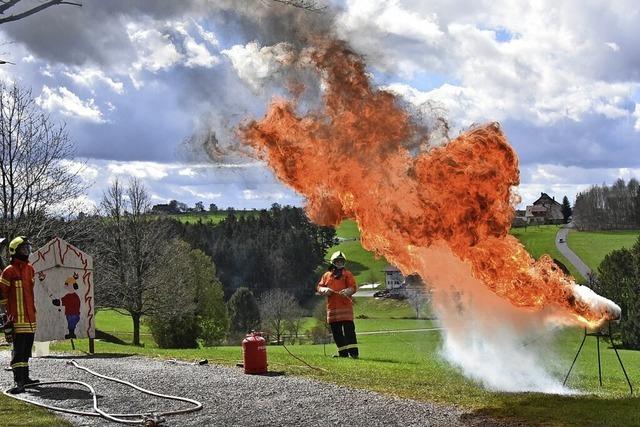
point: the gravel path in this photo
(230, 398)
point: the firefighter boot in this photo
(28, 380)
(18, 376)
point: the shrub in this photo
(244, 314)
(619, 280)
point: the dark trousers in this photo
(21, 353)
(344, 335)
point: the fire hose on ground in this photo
(146, 419)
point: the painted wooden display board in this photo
(63, 292)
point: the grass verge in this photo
(592, 246)
(540, 240)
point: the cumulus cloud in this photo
(69, 104)
(255, 64)
(146, 170)
(262, 195)
(562, 78)
(155, 50)
(551, 66)
(88, 77)
(198, 55)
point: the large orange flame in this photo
(356, 158)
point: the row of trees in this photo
(148, 268)
(275, 249)
(609, 208)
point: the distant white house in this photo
(545, 210)
(393, 277)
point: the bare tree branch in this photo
(310, 5)
(38, 186)
(11, 3)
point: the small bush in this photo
(174, 332)
(320, 334)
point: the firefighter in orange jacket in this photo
(338, 285)
(17, 299)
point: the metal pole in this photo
(575, 358)
(620, 360)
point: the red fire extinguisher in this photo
(254, 354)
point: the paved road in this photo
(364, 293)
(561, 244)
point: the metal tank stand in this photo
(598, 334)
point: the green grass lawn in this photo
(16, 413)
(540, 240)
(410, 365)
(594, 245)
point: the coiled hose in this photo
(148, 419)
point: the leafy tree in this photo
(244, 314)
(619, 280)
(211, 309)
(566, 209)
(213, 208)
(199, 207)
(187, 300)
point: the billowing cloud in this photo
(69, 104)
(88, 77)
(255, 64)
(155, 50)
(134, 79)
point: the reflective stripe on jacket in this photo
(339, 308)
(16, 293)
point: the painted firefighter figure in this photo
(17, 300)
(338, 285)
(71, 304)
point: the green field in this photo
(208, 217)
(540, 240)
(409, 365)
(594, 245)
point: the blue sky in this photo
(133, 81)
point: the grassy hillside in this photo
(366, 267)
(540, 240)
(593, 246)
(208, 217)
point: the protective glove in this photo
(322, 290)
(347, 292)
(7, 327)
